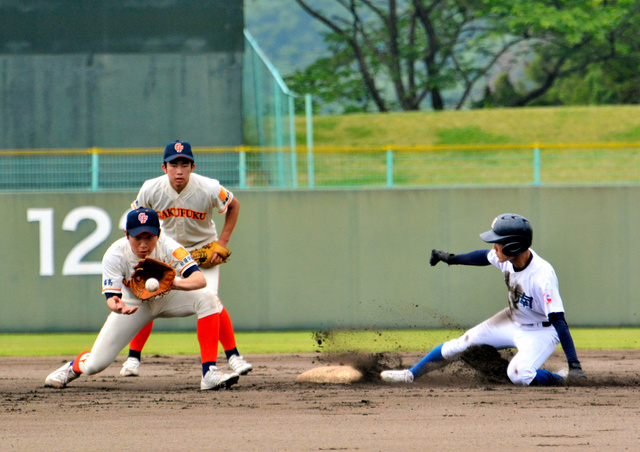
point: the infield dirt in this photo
(455, 408)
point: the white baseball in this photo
(152, 284)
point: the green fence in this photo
(262, 168)
(268, 117)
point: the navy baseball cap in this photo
(142, 220)
(176, 150)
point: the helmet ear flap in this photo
(513, 249)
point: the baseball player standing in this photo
(533, 323)
(185, 202)
(188, 295)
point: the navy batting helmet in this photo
(511, 230)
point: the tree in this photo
(419, 48)
(599, 64)
(332, 79)
(576, 40)
(445, 50)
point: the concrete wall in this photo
(120, 74)
(325, 259)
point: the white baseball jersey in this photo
(119, 260)
(186, 216)
(533, 292)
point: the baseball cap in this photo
(142, 220)
(177, 149)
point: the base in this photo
(331, 374)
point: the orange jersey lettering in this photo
(181, 213)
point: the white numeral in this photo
(45, 218)
(73, 264)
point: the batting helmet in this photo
(511, 230)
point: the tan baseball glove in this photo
(203, 255)
(151, 268)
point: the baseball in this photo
(152, 284)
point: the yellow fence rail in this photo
(247, 167)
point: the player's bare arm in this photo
(230, 220)
(194, 281)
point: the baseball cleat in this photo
(130, 368)
(61, 377)
(397, 376)
(239, 365)
(214, 379)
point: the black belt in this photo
(544, 324)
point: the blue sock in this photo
(546, 378)
(230, 353)
(135, 354)
(433, 356)
(205, 367)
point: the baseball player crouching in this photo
(186, 203)
(533, 323)
(187, 295)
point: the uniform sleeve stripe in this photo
(227, 203)
(186, 267)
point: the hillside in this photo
(493, 126)
(289, 37)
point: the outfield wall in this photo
(335, 259)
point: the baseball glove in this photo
(203, 255)
(438, 255)
(151, 268)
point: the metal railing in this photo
(323, 167)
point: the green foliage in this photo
(587, 54)
(503, 94)
(603, 84)
(334, 83)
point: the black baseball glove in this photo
(438, 255)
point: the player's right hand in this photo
(117, 305)
(439, 255)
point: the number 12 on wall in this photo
(73, 264)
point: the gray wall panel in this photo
(119, 101)
(341, 259)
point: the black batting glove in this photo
(438, 255)
(575, 371)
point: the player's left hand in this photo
(151, 268)
(210, 255)
(216, 259)
(439, 255)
